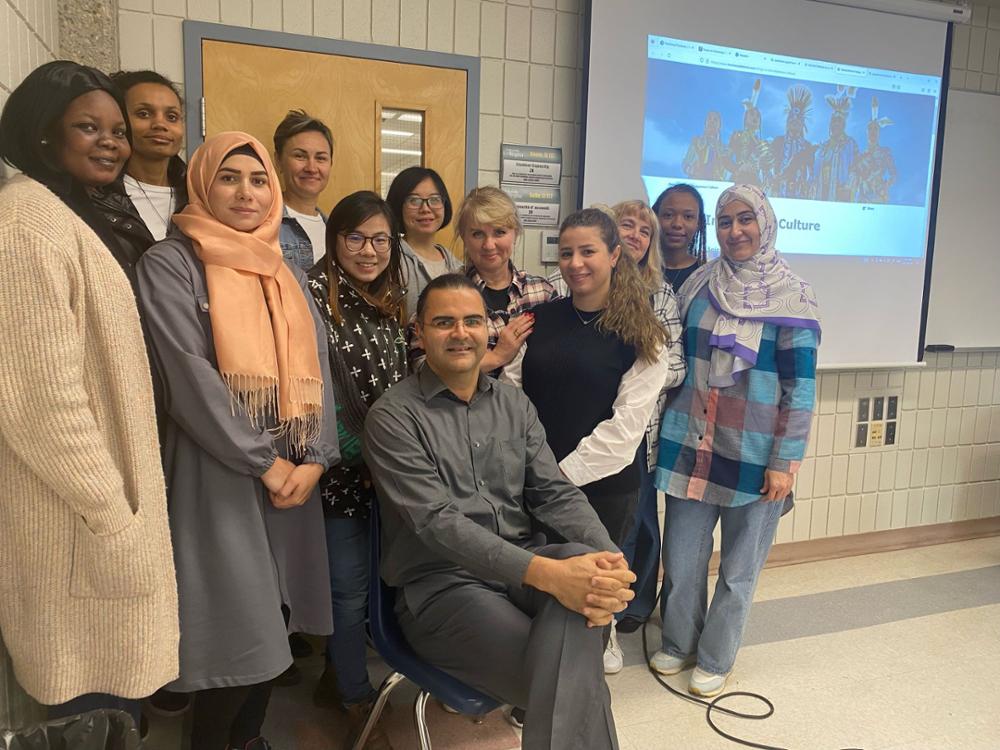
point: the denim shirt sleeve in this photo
(295, 244)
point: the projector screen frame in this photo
(935, 190)
(588, 13)
(935, 177)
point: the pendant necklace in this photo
(152, 205)
(587, 321)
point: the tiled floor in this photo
(920, 676)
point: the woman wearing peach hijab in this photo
(249, 431)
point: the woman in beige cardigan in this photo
(88, 600)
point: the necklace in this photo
(587, 321)
(151, 204)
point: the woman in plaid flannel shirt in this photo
(488, 226)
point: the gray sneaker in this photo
(666, 664)
(706, 684)
(614, 660)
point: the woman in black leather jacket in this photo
(152, 188)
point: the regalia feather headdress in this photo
(751, 103)
(799, 104)
(841, 102)
(880, 121)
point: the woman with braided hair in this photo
(681, 213)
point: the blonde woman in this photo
(488, 227)
(640, 232)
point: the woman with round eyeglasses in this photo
(358, 288)
(420, 202)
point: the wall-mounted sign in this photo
(530, 165)
(536, 206)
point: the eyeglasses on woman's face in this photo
(355, 242)
(415, 202)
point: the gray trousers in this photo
(522, 647)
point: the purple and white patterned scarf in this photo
(749, 293)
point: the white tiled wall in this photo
(531, 52)
(29, 36)
(946, 465)
(975, 52)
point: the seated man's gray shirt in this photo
(459, 482)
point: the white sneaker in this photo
(706, 684)
(613, 658)
(666, 664)
(514, 716)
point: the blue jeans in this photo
(347, 541)
(747, 534)
(642, 551)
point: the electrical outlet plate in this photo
(876, 419)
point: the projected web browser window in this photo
(845, 153)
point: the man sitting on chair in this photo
(461, 466)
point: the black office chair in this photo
(392, 646)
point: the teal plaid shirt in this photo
(716, 443)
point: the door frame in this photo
(195, 32)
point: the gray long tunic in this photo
(238, 558)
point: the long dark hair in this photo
(699, 243)
(387, 291)
(404, 183)
(628, 315)
(31, 114)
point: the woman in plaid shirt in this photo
(734, 436)
(488, 226)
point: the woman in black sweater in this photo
(594, 366)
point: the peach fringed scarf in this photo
(265, 339)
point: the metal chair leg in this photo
(388, 684)
(420, 716)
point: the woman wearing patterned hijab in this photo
(242, 354)
(358, 288)
(734, 436)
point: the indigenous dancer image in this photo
(706, 157)
(837, 155)
(792, 153)
(875, 170)
(748, 152)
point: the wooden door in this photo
(251, 87)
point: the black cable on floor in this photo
(712, 706)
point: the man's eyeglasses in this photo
(355, 242)
(448, 324)
(416, 202)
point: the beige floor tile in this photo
(831, 575)
(892, 686)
